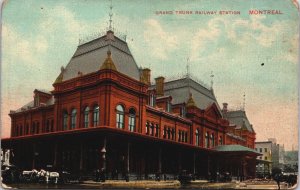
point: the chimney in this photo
(225, 105)
(159, 82)
(145, 76)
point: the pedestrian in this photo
(277, 179)
(97, 175)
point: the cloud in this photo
(21, 49)
(161, 42)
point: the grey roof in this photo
(181, 88)
(90, 56)
(43, 91)
(239, 118)
(30, 105)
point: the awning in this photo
(235, 148)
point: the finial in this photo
(108, 63)
(212, 80)
(187, 67)
(191, 102)
(110, 16)
(244, 101)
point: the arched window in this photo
(96, 116)
(147, 128)
(32, 128)
(206, 140)
(212, 137)
(73, 118)
(173, 134)
(220, 140)
(152, 129)
(197, 138)
(120, 117)
(157, 130)
(65, 120)
(131, 120)
(86, 117)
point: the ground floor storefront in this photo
(121, 154)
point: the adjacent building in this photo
(265, 160)
(273, 156)
(104, 112)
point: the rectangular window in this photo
(266, 158)
(260, 149)
(266, 150)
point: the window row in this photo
(87, 113)
(182, 136)
(120, 118)
(152, 129)
(210, 140)
(261, 149)
(169, 133)
(19, 130)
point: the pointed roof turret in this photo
(191, 102)
(108, 63)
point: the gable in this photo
(213, 111)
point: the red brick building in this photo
(104, 113)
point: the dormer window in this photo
(168, 106)
(152, 100)
(36, 100)
(182, 111)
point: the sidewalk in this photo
(203, 184)
(133, 184)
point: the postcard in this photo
(149, 94)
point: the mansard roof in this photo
(239, 118)
(181, 89)
(89, 57)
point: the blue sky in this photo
(38, 37)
